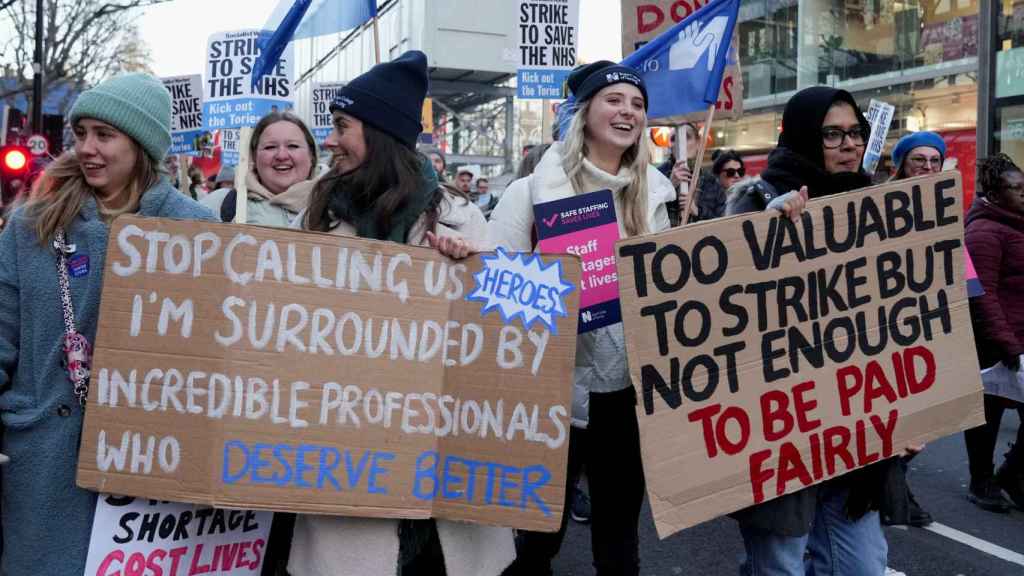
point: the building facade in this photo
(921, 56)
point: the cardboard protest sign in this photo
(138, 536)
(548, 35)
(585, 225)
(271, 369)
(323, 93)
(230, 101)
(769, 355)
(187, 132)
(643, 20)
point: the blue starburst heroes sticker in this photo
(522, 286)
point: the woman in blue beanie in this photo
(379, 188)
(605, 147)
(122, 131)
(917, 154)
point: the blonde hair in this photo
(58, 195)
(635, 158)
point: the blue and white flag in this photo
(683, 66)
(298, 19)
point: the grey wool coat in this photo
(47, 519)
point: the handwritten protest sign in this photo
(585, 225)
(644, 20)
(548, 35)
(137, 536)
(323, 93)
(230, 100)
(769, 355)
(187, 132)
(283, 370)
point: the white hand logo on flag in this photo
(694, 41)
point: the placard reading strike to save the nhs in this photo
(230, 100)
(585, 225)
(272, 369)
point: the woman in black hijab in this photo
(837, 522)
(823, 161)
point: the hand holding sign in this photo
(454, 247)
(791, 205)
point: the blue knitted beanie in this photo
(136, 104)
(913, 140)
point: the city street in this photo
(963, 541)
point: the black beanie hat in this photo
(389, 96)
(585, 81)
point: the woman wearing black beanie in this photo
(379, 188)
(605, 147)
(837, 522)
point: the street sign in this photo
(38, 145)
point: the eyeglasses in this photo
(734, 172)
(833, 137)
(921, 161)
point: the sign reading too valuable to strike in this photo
(271, 369)
(770, 355)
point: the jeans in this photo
(838, 546)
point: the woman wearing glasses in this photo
(835, 522)
(918, 154)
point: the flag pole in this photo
(680, 154)
(695, 189)
(376, 40)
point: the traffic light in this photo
(15, 162)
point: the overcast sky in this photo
(177, 31)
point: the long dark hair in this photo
(383, 184)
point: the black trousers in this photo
(981, 441)
(610, 450)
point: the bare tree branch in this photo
(84, 42)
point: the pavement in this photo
(963, 541)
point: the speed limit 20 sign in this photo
(38, 145)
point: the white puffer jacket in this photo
(600, 354)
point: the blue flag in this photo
(271, 47)
(298, 19)
(683, 66)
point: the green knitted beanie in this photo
(136, 104)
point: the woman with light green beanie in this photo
(52, 255)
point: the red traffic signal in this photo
(14, 160)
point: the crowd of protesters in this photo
(379, 187)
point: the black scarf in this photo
(788, 170)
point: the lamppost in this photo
(37, 73)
